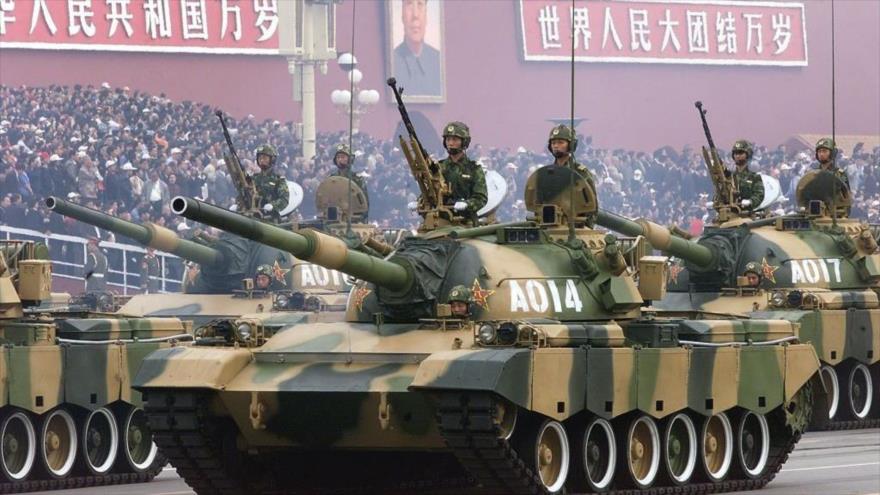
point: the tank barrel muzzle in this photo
(659, 237)
(309, 245)
(154, 236)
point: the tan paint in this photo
(552, 373)
(671, 384)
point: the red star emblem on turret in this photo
(767, 270)
(674, 270)
(279, 273)
(360, 294)
(480, 295)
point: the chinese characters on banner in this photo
(181, 26)
(683, 32)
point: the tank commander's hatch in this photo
(331, 200)
(549, 197)
(815, 190)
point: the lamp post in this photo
(364, 99)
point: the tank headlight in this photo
(777, 300)
(244, 331)
(281, 301)
(795, 298)
(507, 334)
(486, 334)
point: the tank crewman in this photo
(465, 177)
(826, 153)
(343, 159)
(562, 144)
(753, 274)
(263, 279)
(459, 301)
(95, 267)
(149, 272)
(749, 185)
(271, 187)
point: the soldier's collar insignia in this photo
(360, 294)
(279, 273)
(480, 295)
(674, 270)
(767, 270)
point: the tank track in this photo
(466, 423)
(84, 481)
(846, 425)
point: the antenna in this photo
(571, 145)
(833, 124)
(350, 124)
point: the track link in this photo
(465, 420)
(82, 481)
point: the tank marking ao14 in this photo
(543, 295)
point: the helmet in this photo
(565, 132)
(459, 293)
(828, 144)
(742, 145)
(268, 149)
(264, 270)
(753, 267)
(342, 148)
(457, 129)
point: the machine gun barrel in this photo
(151, 235)
(660, 238)
(315, 247)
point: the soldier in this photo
(749, 185)
(826, 153)
(95, 268)
(343, 159)
(562, 144)
(271, 187)
(459, 301)
(263, 279)
(149, 272)
(753, 274)
(465, 177)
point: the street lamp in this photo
(341, 98)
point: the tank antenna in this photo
(572, 143)
(833, 123)
(351, 157)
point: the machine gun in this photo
(725, 188)
(425, 171)
(248, 198)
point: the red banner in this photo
(716, 32)
(175, 26)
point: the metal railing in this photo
(68, 254)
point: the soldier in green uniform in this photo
(264, 279)
(749, 185)
(459, 301)
(343, 159)
(271, 187)
(562, 144)
(95, 268)
(465, 177)
(149, 272)
(826, 152)
(753, 274)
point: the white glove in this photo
(412, 205)
(234, 207)
(268, 207)
(459, 206)
(746, 203)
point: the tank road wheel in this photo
(680, 449)
(717, 447)
(752, 444)
(595, 456)
(504, 416)
(859, 391)
(100, 441)
(640, 452)
(58, 443)
(544, 449)
(138, 450)
(826, 402)
(19, 446)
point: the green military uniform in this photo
(271, 187)
(465, 177)
(749, 185)
(149, 274)
(357, 179)
(95, 269)
(565, 133)
(829, 144)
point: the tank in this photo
(557, 379)
(68, 415)
(817, 268)
(219, 277)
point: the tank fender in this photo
(200, 367)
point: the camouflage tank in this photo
(557, 379)
(815, 268)
(68, 415)
(219, 280)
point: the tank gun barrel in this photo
(659, 237)
(151, 235)
(315, 247)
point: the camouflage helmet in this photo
(344, 149)
(742, 145)
(269, 150)
(753, 267)
(564, 132)
(264, 270)
(828, 144)
(460, 130)
(459, 293)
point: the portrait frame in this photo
(434, 39)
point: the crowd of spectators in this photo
(127, 153)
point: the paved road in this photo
(824, 463)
